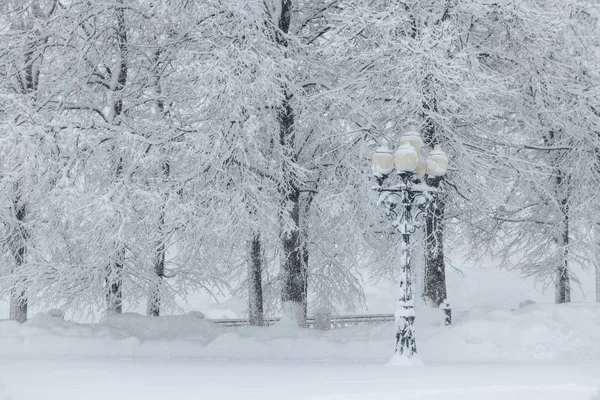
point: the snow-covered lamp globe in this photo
(406, 158)
(383, 162)
(413, 137)
(437, 162)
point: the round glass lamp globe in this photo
(437, 162)
(413, 137)
(383, 161)
(406, 158)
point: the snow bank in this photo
(126, 335)
(536, 332)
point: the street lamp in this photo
(404, 190)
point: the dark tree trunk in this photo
(114, 283)
(562, 182)
(121, 33)
(114, 270)
(304, 255)
(18, 306)
(28, 83)
(563, 281)
(154, 300)
(306, 200)
(255, 292)
(286, 17)
(293, 273)
(434, 291)
(293, 295)
(18, 298)
(114, 279)
(434, 288)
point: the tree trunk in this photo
(114, 270)
(115, 292)
(293, 295)
(18, 298)
(304, 257)
(114, 285)
(255, 292)
(435, 292)
(435, 269)
(154, 300)
(18, 306)
(29, 83)
(306, 200)
(563, 279)
(121, 33)
(114, 279)
(563, 282)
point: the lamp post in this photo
(405, 196)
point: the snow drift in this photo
(536, 332)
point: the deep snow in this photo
(541, 351)
(183, 379)
(536, 332)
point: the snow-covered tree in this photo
(28, 144)
(414, 63)
(541, 218)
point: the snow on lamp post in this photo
(400, 194)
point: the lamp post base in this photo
(403, 361)
(406, 345)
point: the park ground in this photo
(538, 351)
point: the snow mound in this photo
(538, 332)
(126, 335)
(400, 361)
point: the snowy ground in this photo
(540, 351)
(493, 351)
(182, 379)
